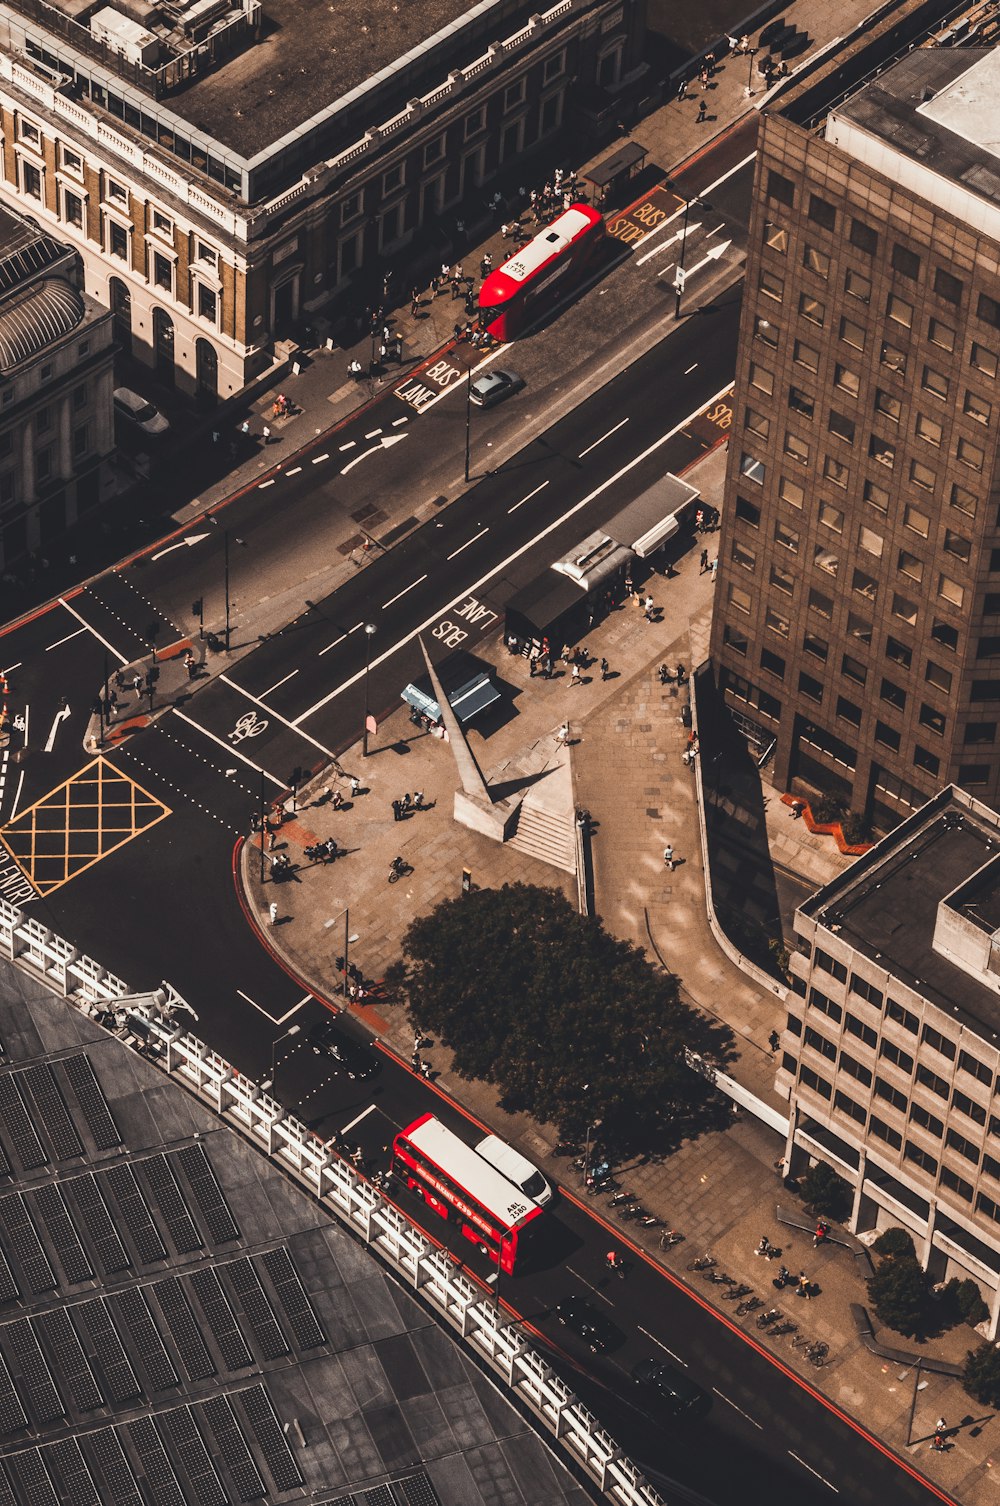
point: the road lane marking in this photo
(267, 1013)
(228, 748)
(729, 1401)
(363, 1115)
(350, 445)
(505, 564)
(373, 433)
(403, 592)
(102, 641)
(661, 1345)
(294, 471)
(480, 535)
(266, 483)
(279, 683)
(17, 796)
(404, 420)
(701, 194)
(815, 1472)
(331, 645)
(11, 668)
(527, 498)
(319, 458)
(691, 368)
(60, 641)
(277, 714)
(486, 361)
(590, 1286)
(602, 439)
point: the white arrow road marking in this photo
(60, 716)
(383, 444)
(713, 255)
(192, 538)
(679, 236)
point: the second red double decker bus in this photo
(517, 291)
(466, 1190)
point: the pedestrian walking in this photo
(604, 669)
(802, 1287)
(682, 89)
(485, 266)
(265, 434)
(774, 1040)
(629, 586)
(435, 286)
(710, 63)
(418, 800)
(714, 570)
(647, 607)
(245, 426)
(562, 735)
(415, 1058)
(414, 303)
(137, 686)
(272, 912)
(821, 1232)
(575, 678)
(426, 1069)
(764, 1248)
(704, 561)
(702, 112)
(355, 785)
(533, 660)
(937, 1443)
(397, 810)
(668, 857)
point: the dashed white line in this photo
(231, 751)
(661, 1345)
(129, 753)
(59, 641)
(241, 690)
(691, 368)
(209, 763)
(527, 498)
(331, 645)
(603, 438)
(294, 471)
(290, 676)
(266, 483)
(729, 1402)
(815, 1472)
(716, 231)
(11, 668)
(373, 433)
(354, 629)
(404, 420)
(703, 194)
(480, 535)
(363, 1115)
(320, 458)
(349, 445)
(102, 641)
(403, 592)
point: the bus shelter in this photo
(550, 606)
(655, 517)
(469, 690)
(610, 175)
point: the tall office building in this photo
(857, 625)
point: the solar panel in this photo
(62, 1232)
(90, 1097)
(90, 1204)
(52, 1111)
(119, 1377)
(29, 1365)
(68, 1357)
(183, 1329)
(17, 1122)
(417, 1490)
(32, 1479)
(7, 1497)
(232, 1447)
(266, 1429)
(221, 1319)
(72, 1473)
(107, 1454)
(134, 1310)
(169, 1199)
(292, 1296)
(5, 1170)
(21, 1240)
(208, 1194)
(189, 1446)
(379, 1495)
(138, 1219)
(256, 1307)
(12, 1415)
(161, 1481)
(9, 1290)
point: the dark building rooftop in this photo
(938, 107)
(886, 904)
(172, 1307)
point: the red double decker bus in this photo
(520, 287)
(466, 1190)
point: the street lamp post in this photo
(292, 1030)
(679, 276)
(468, 421)
(225, 542)
(751, 55)
(369, 634)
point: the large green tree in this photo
(900, 1294)
(572, 1025)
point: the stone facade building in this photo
(857, 629)
(226, 167)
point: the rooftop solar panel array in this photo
(131, 1305)
(51, 1108)
(30, 1370)
(266, 1429)
(161, 1479)
(417, 1490)
(70, 1470)
(105, 1449)
(242, 1276)
(294, 1301)
(183, 1328)
(9, 1290)
(17, 1124)
(71, 1364)
(20, 1239)
(232, 1447)
(167, 1195)
(7, 1497)
(85, 1191)
(120, 1380)
(182, 1430)
(222, 1321)
(13, 1417)
(138, 1219)
(58, 1221)
(89, 1095)
(31, 1478)
(208, 1194)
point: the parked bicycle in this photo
(669, 1238)
(749, 1306)
(702, 1263)
(817, 1353)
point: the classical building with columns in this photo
(890, 1053)
(56, 381)
(226, 167)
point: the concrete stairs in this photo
(547, 835)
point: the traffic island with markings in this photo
(83, 820)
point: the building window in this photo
(872, 543)
(957, 1184)
(946, 286)
(856, 286)
(781, 189)
(893, 358)
(825, 560)
(932, 719)
(977, 1069)
(860, 628)
(393, 178)
(735, 639)
(922, 475)
(926, 429)
(945, 634)
(917, 521)
(899, 311)
(904, 608)
(739, 599)
(806, 356)
(752, 468)
(31, 180)
(853, 669)
(743, 555)
(977, 407)
(796, 447)
(955, 544)
(30, 134)
(761, 378)
(891, 1095)
(894, 694)
(970, 774)
(81, 441)
(747, 512)
(163, 272)
(43, 463)
(756, 422)
(776, 236)
(514, 94)
(161, 224)
(921, 1158)
(923, 759)
(898, 652)
(350, 207)
(863, 237)
(980, 732)
(831, 517)
(848, 1106)
(766, 332)
(854, 1069)
(777, 622)
(887, 736)
(821, 604)
(983, 359)
(848, 712)
(208, 303)
(822, 213)
(941, 334)
(787, 537)
(773, 663)
(72, 162)
(554, 67)
(812, 309)
(816, 261)
(791, 492)
(207, 254)
(935, 382)
(117, 240)
(877, 497)
(881, 1131)
(841, 425)
(949, 590)
(815, 645)
(928, 1121)
(848, 381)
(771, 285)
(905, 262)
(882, 451)
(909, 564)
(801, 402)
(988, 310)
(434, 150)
(474, 122)
(115, 192)
(938, 676)
(782, 580)
(72, 209)
(81, 396)
(890, 407)
(902, 1016)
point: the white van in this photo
(515, 1168)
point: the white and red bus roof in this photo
(528, 263)
(502, 1200)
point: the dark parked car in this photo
(673, 1392)
(357, 1061)
(590, 1325)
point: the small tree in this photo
(964, 1301)
(899, 1293)
(824, 1192)
(981, 1376)
(895, 1242)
